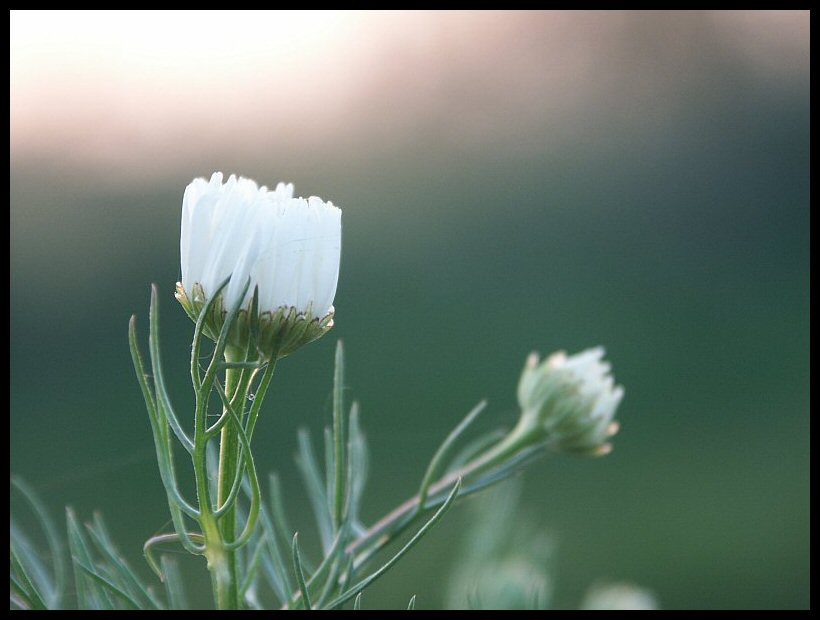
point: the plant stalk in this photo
(222, 561)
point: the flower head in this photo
(283, 252)
(570, 401)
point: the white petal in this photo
(289, 247)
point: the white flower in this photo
(288, 248)
(619, 597)
(570, 401)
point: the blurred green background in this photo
(510, 182)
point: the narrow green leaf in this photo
(24, 583)
(129, 580)
(33, 560)
(412, 603)
(348, 572)
(259, 397)
(357, 464)
(506, 470)
(148, 548)
(256, 496)
(280, 518)
(107, 584)
(17, 601)
(32, 564)
(55, 547)
(236, 485)
(319, 575)
(273, 563)
(330, 466)
(477, 447)
(163, 402)
(254, 320)
(252, 572)
(357, 602)
(222, 342)
(200, 320)
(89, 593)
(343, 566)
(165, 459)
(436, 466)
(309, 468)
(341, 600)
(174, 586)
(338, 437)
(300, 575)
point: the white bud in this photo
(570, 401)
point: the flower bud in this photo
(570, 402)
(283, 252)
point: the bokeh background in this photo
(510, 181)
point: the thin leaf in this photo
(273, 563)
(437, 463)
(477, 447)
(222, 342)
(163, 401)
(55, 547)
(165, 459)
(309, 468)
(509, 468)
(300, 575)
(329, 462)
(412, 603)
(259, 397)
(256, 496)
(343, 566)
(338, 437)
(341, 600)
(253, 568)
(32, 565)
(174, 587)
(199, 330)
(349, 572)
(89, 595)
(357, 602)
(102, 540)
(357, 464)
(17, 603)
(25, 585)
(148, 548)
(107, 584)
(319, 575)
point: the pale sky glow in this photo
(123, 88)
(175, 43)
(99, 80)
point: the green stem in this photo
(397, 521)
(212, 537)
(221, 558)
(224, 569)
